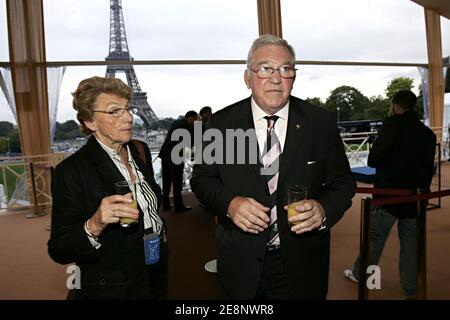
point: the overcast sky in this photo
(345, 30)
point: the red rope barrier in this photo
(413, 198)
(385, 191)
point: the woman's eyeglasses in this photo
(118, 112)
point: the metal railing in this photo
(26, 181)
(357, 146)
(16, 172)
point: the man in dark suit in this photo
(205, 113)
(403, 156)
(259, 255)
(172, 173)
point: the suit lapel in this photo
(244, 120)
(107, 170)
(295, 129)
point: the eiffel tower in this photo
(118, 50)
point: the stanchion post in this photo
(364, 248)
(34, 191)
(421, 230)
(439, 178)
(33, 184)
(439, 173)
(49, 227)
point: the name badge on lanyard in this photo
(151, 248)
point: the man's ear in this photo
(247, 78)
(91, 125)
(396, 109)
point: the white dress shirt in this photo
(280, 130)
(145, 196)
(261, 125)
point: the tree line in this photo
(346, 101)
(69, 130)
(350, 104)
(9, 138)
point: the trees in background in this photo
(378, 108)
(9, 138)
(397, 84)
(68, 130)
(315, 101)
(163, 123)
(6, 128)
(346, 101)
(402, 83)
(350, 104)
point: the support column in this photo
(435, 70)
(29, 74)
(269, 17)
(29, 77)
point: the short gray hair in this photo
(87, 92)
(269, 39)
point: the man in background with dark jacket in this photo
(205, 113)
(403, 156)
(172, 173)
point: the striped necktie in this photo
(271, 157)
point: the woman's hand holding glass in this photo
(111, 210)
(123, 188)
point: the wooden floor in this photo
(27, 272)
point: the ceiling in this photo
(440, 6)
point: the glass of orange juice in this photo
(124, 187)
(296, 193)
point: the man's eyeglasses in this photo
(264, 72)
(118, 112)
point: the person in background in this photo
(86, 209)
(260, 256)
(448, 142)
(205, 114)
(172, 173)
(403, 156)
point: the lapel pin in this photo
(297, 126)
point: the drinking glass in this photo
(124, 187)
(296, 194)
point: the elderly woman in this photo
(114, 262)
